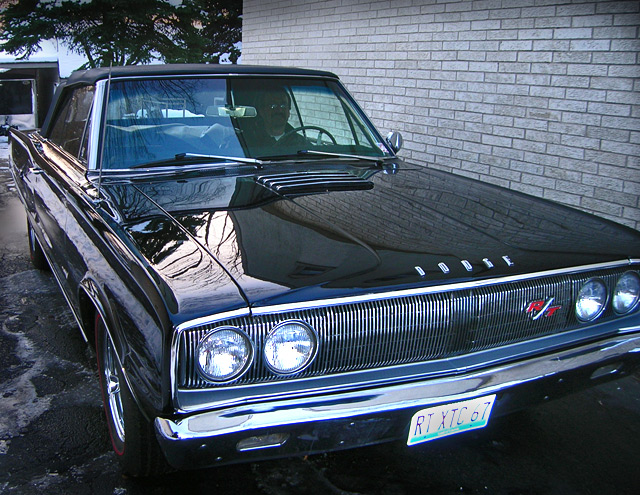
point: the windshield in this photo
(154, 120)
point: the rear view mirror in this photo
(237, 112)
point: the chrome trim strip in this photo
(304, 409)
(169, 170)
(629, 329)
(475, 284)
(221, 75)
(322, 303)
(208, 320)
(96, 127)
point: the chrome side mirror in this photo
(394, 139)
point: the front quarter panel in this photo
(94, 266)
(107, 272)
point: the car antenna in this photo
(104, 133)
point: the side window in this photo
(68, 130)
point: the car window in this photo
(153, 121)
(320, 107)
(320, 117)
(68, 128)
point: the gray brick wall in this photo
(541, 96)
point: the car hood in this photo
(297, 233)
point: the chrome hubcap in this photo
(112, 383)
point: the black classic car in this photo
(262, 275)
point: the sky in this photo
(51, 51)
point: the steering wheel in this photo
(320, 130)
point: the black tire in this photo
(132, 436)
(38, 259)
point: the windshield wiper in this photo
(239, 159)
(198, 157)
(377, 159)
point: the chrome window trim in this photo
(167, 171)
(213, 75)
(101, 94)
(96, 125)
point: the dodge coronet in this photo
(261, 275)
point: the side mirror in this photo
(394, 139)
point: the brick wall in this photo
(542, 96)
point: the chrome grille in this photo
(410, 329)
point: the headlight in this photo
(592, 299)
(290, 347)
(626, 293)
(224, 354)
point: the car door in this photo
(56, 170)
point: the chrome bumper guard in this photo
(314, 424)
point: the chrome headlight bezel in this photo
(269, 354)
(586, 294)
(635, 299)
(226, 333)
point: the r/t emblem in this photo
(542, 307)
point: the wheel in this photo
(320, 130)
(132, 436)
(38, 259)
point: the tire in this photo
(132, 436)
(38, 259)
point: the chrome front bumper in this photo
(313, 424)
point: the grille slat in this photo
(313, 182)
(410, 329)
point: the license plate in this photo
(449, 419)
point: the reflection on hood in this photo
(373, 233)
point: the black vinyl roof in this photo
(91, 76)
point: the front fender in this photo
(141, 368)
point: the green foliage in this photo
(125, 32)
(206, 30)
